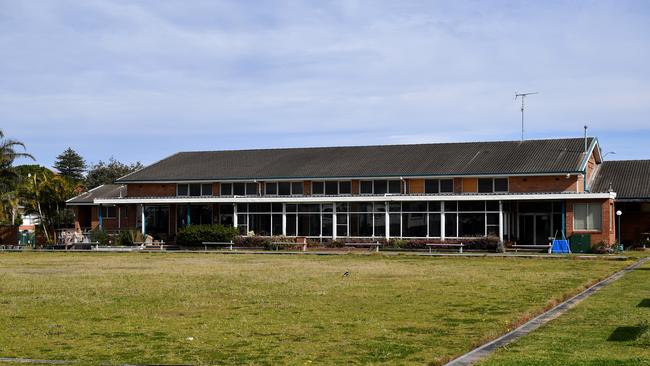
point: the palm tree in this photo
(8, 177)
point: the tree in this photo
(71, 165)
(106, 173)
(8, 177)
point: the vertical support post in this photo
(443, 234)
(334, 221)
(284, 219)
(235, 222)
(564, 220)
(144, 223)
(500, 221)
(188, 215)
(387, 219)
(101, 219)
(119, 216)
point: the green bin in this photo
(580, 243)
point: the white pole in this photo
(500, 221)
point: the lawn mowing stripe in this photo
(29, 360)
(485, 350)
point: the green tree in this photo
(9, 199)
(71, 165)
(106, 173)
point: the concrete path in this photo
(485, 350)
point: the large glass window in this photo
(434, 225)
(331, 187)
(471, 224)
(431, 186)
(587, 216)
(360, 224)
(414, 224)
(194, 189)
(181, 190)
(394, 186)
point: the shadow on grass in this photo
(642, 269)
(645, 303)
(625, 334)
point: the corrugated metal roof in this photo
(469, 158)
(103, 191)
(630, 179)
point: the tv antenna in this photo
(523, 97)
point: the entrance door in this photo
(542, 229)
(534, 229)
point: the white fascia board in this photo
(389, 198)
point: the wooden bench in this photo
(278, 244)
(217, 243)
(533, 247)
(375, 245)
(460, 246)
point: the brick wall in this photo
(607, 233)
(543, 184)
(151, 190)
(458, 185)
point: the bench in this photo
(375, 245)
(533, 247)
(460, 246)
(151, 245)
(217, 243)
(278, 244)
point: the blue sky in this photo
(140, 80)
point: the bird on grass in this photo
(347, 273)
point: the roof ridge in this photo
(379, 145)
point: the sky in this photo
(141, 80)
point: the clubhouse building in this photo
(517, 191)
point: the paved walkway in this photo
(485, 350)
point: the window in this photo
(345, 187)
(587, 216)
(317, 188)
(271, 189)
(438, 186)
(431, 186)
(490, 185)
(284, 188)
(226, 189)
(239, 189)
(366, 187)
(331, 187)
(381, 187)
(297, 188)
(251, 189)
(194, 189)
(446, 185)
(108, 212)
(181, 190)
(394, 186)
(206, 189)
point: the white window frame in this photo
(596, 207)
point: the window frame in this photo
(590, 206)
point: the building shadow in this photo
(624, 334)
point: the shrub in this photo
(196, 234)
(253, 241)
(128, 237)
(99, 235)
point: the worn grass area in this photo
(267, 309)
(612, 327)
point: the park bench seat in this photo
(374, 245)
(228, 244)
(546, 247)
(460, 246)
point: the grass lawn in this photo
(269, 309)
(609, 328)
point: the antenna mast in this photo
(523, 97)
